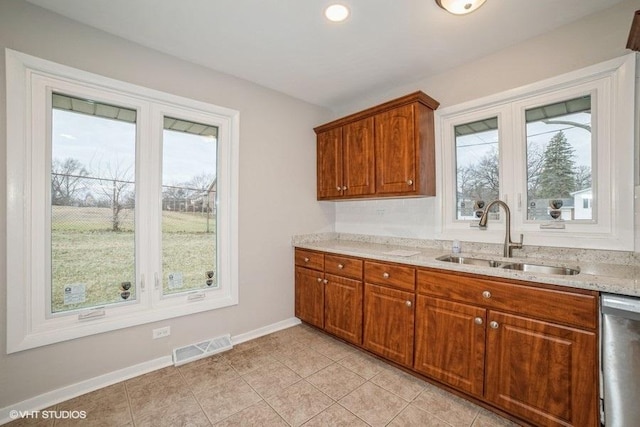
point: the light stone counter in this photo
(606, 271)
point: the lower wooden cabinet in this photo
(529, 350)
(388, 323)
(343, 308)
(309, 290)
(542, 372)
(450, 343)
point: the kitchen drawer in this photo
(396, 276)
(309, 259)
(571, 308)
(343, 266)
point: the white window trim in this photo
(29, 79)
(612, 86)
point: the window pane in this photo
(477, 167)
(92, 204)
(559, 161)
(189, 184)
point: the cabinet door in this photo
(343, 308)
(543, 372)
(395, 149)
(309, 294)
(329, 158)
(450, 343)
(388, 323)
(358, 166)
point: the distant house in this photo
(583, 204)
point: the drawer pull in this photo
(478, 321)
(486, 294)
(338, 188)
(340, 266)
(344, 188)
(385, 275)
(408, 303)
(326, 281)
(306, 259)
(494, 324)
(409, 182)
(319, 279)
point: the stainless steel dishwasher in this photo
(621, 360)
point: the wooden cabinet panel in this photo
(343, 308)
(384, 151)
(358, 167)
(309, 296)
(309, 259)
(541, 371)
(395, 146)
(566, 307)
(393, 275)
(329, 163)
(343, 266)
(388, 323)
(450, 343)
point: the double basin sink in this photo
(508, 265)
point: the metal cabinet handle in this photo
(338, 188)
(340, 266)
(306, 259)
(494, 324)
(486, 294)
(410, 182)
(478, 321)
(344, 188)
(319, 279)
(325, 281)
(385, 275)
(408, 303)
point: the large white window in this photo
(121, 206)
(559, 152)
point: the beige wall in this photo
(277, 144)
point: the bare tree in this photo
(66, 180)
(117, 188)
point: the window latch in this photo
(195, 296)
(95, 313)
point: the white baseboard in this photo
(257, 333)
(54, 397)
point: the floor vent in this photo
(202, 349)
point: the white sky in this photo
(102, 144)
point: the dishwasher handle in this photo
(621, 306)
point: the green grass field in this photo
(84, 250)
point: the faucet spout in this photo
(508, 244)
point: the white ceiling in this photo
(289, 46)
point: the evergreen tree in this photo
(557, 178)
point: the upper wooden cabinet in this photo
(384, 151)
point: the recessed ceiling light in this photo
(336, 12)
(460, 7)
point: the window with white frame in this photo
(122, 204)
(556, 151)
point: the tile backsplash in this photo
(413, 218)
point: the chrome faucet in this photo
(508, 244)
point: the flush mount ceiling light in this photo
(460, 7)
(336, 12)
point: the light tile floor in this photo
(294, 377)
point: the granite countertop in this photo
(617, 273)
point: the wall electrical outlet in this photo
(161, 332)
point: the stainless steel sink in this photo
(470, 261)
(544, 269)
(507, 265)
